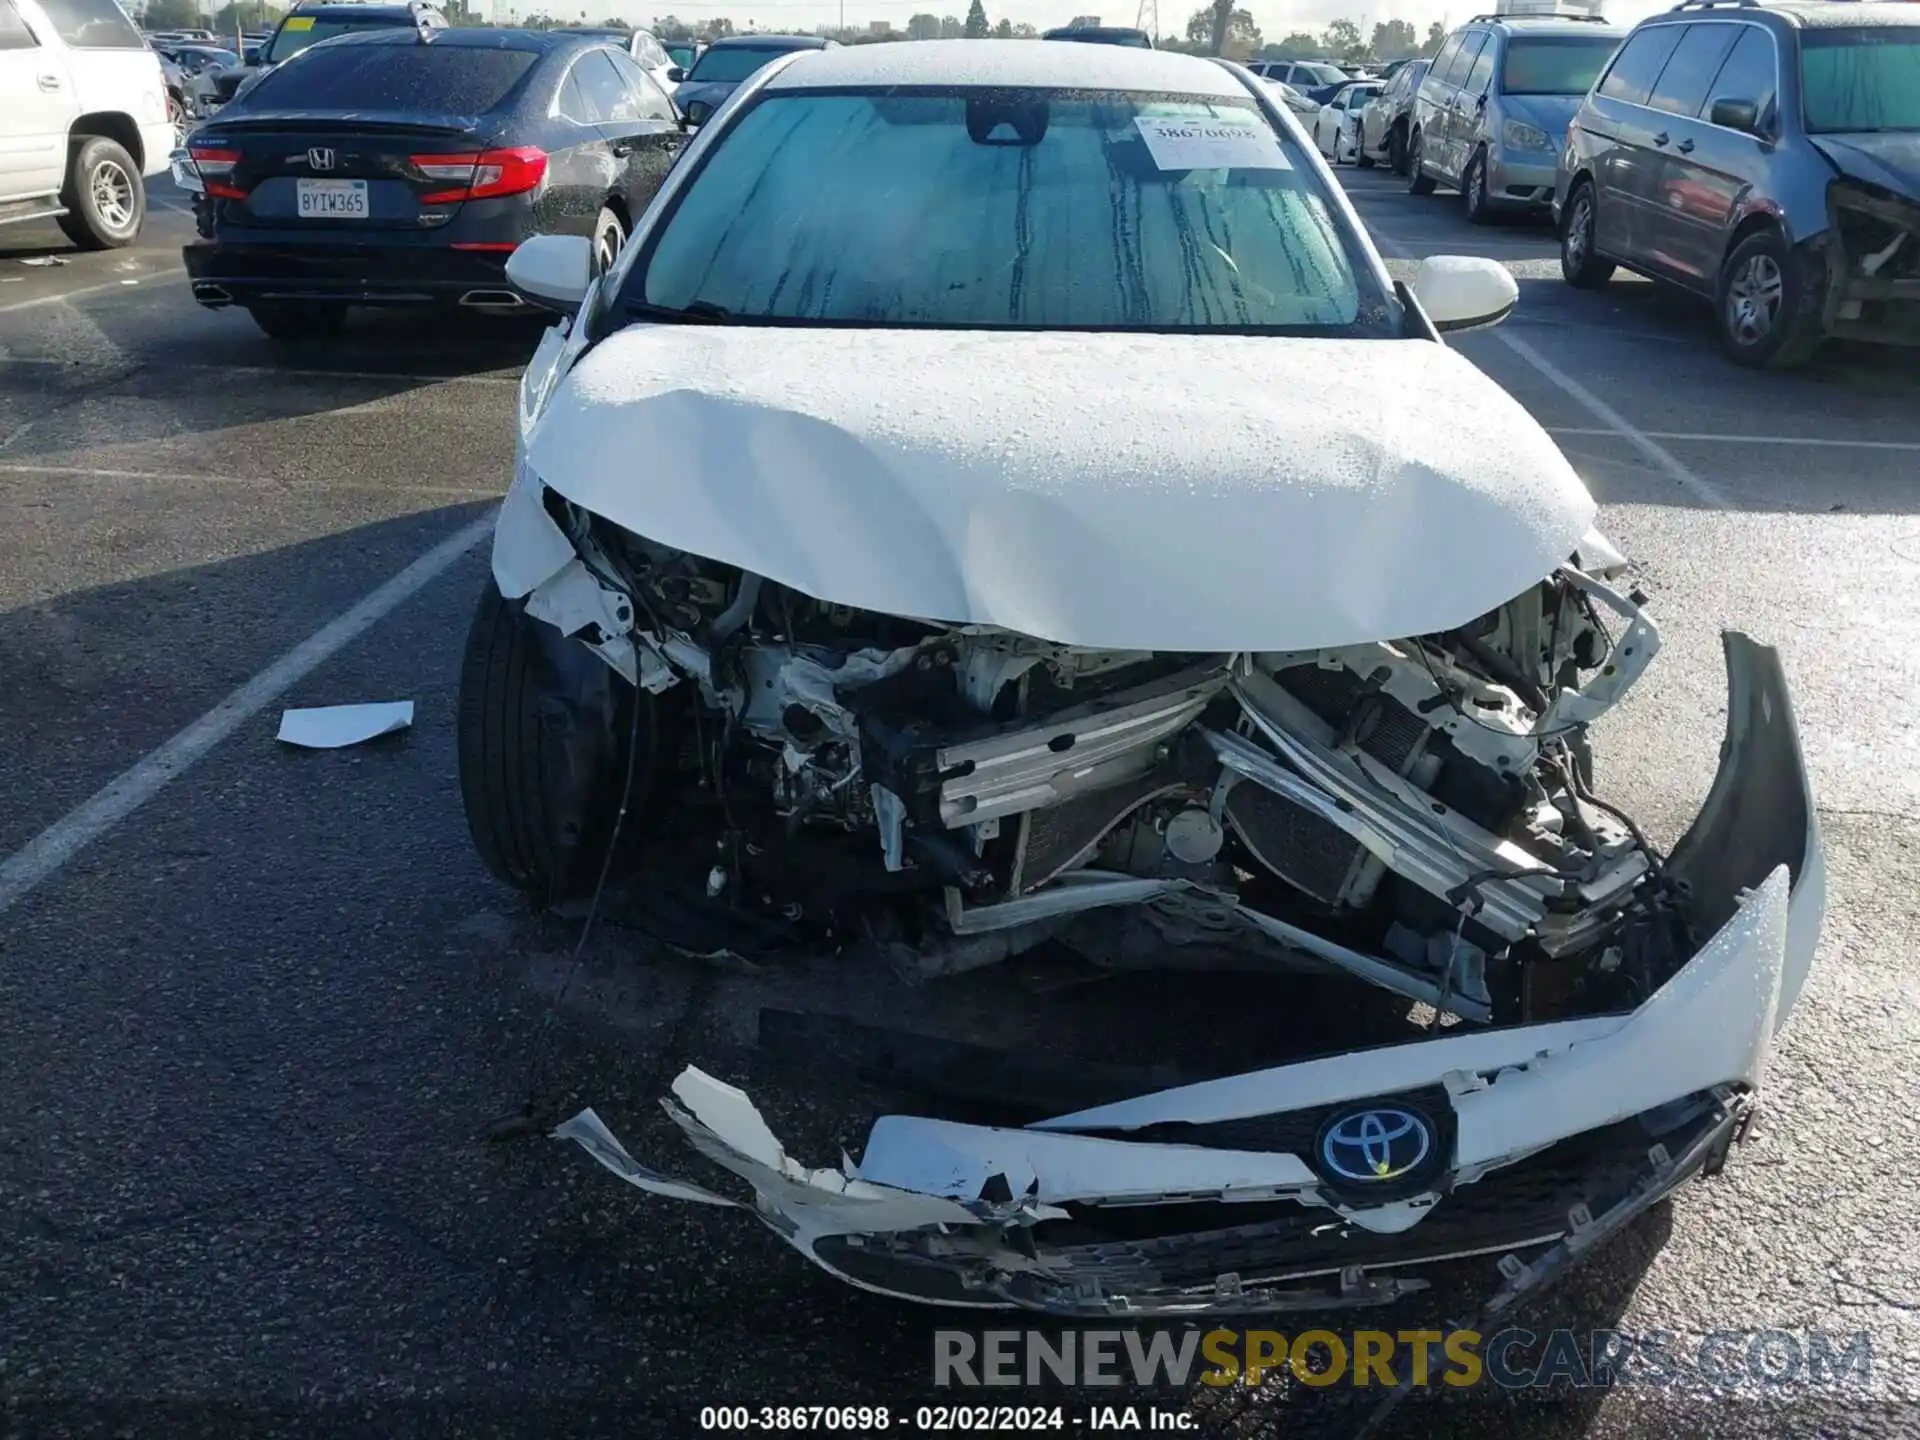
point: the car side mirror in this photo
(552, 271)
(675, 74)
(1464, 292)
(1741, 115)
(253, 59)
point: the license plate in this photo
(332, 199)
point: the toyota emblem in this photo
(1376, 1145)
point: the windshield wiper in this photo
(697, 312)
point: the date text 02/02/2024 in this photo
(941, 1419)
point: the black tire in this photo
(177, 117)
(1397, 149)
(608, 236)
(105, 197)
(1768, 302)
(1418, 182)
(1580, 264)
(1473, 190)
(299, 320)
(543, 731)
(1360, 156)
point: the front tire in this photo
(105, 197)
(1397, 149)
(1473, 190)
(1418, 181)
(543, 731)
(1769, 309)
(1360, 155)
(1580, 264)
(299, 320)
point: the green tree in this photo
(243, 15)
(1297, 45)
(1436, 37)
(1220, 29)
(1024, 31)
(1004, 30)
(1340, 37)
(171, 15)
(952, 27)
(923, 27)
(1393, 39)
(976, 27)
(672, 27)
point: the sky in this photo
(1274, 20)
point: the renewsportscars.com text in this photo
(1513, 1358)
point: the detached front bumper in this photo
(1231, 1196)
(1520, 179)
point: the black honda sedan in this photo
(401, 167)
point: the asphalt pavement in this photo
(260, 1004)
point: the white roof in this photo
(1009, 62)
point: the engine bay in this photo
(1419, 814)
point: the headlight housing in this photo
(1518, 135)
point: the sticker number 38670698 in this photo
(1214, 143)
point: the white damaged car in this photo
(1000, 500)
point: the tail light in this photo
(482, 176)
(213, 165)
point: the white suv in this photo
(83, 118)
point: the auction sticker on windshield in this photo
(331, 199)
(1215, 143)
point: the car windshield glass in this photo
(733, 63)
(1555, 64)
(1861, 79)
(1325, 74)
(1015, 208)
(681, 55)
(300, 31)
(456, 80)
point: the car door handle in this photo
(1685, 147)
(49, 82)
(1661, 138)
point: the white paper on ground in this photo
(331, 726)
(1220, 143)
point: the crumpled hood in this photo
(1551, 113)
(1179, 493)
(1891, 161)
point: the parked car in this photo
(1766, 158)
(682, 53)
(83, 117)
(200, 68)
(311, 21)
(643, 45)
(1383, 123)
(1336, 124)
(1101, 35)
(1295, 101)
(396, 167)
(1493, 108)
(1304, 75)
(727, 62)
(1140, 631)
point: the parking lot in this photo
(261, 1003)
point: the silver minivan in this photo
(1492, 113)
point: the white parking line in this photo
(12, 306)
(201, 477)
(53, 847)
(1661, 458)
(1690, 437)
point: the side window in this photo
(1464, 57)
(602, 88)
(1438, 70)
(649, 100)
(574, 104)
(1480, 78)
(93, 25)
(1749, 73)
(14, 34)
(1682, 87)
(652, 55)
(1639, 64)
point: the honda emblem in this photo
(320, 158)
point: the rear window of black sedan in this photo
(451, 79)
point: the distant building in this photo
(880, 27)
